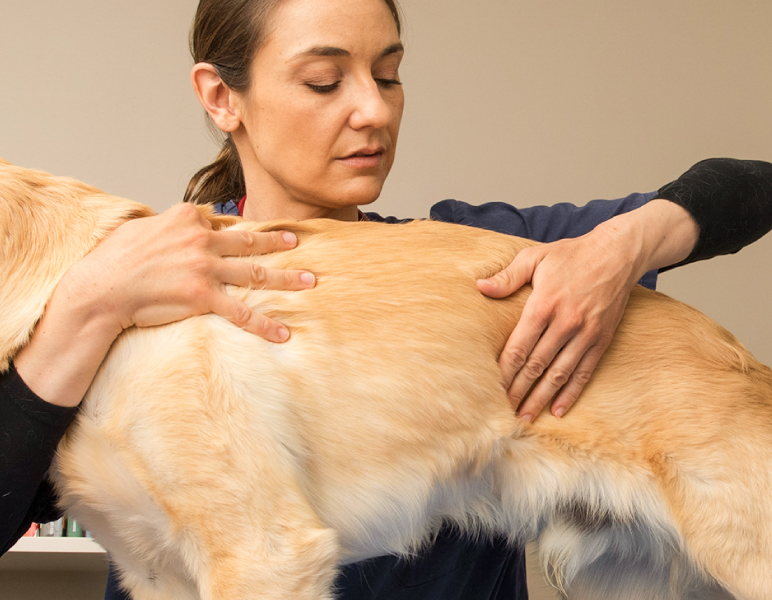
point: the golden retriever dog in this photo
(215, 465)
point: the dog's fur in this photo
(215, 465)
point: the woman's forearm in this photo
(68, 345)
(659, 234)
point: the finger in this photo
(241, 315)
(529, 329)
(556, 376)
(507, 281)
(535, 366)
(570, 392)
(257, 277)
(234, 242)
(186, 213)
(516, 352)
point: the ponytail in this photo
(221, 181)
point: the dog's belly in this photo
(379, 471)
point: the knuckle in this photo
(264, 327)
(534, 367)
(504, 277)
(536, 251)
(186, 211)
(258, 275)
(198, 275)
(558, 377)
(197, 237)
(194, 289)
(290, 279)
(514, 356)
(604, 340)
(581, 377)
(524, 255)
(538, 405)
(573, 319)
(248, 240)
(515, 395)
(515, 399)
(241, 315)
(543, 312)
(241, 242)
(570, 397)
(566, 400)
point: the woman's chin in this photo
(360, 193)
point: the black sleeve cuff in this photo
(731, 201)
(13, 389)
(30, 431)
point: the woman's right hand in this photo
(149, 271)
(172, 266)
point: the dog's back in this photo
(211, 462)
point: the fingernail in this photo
(307, 278)
(526, 417)
(290, 238)
(560, 412)
(283, 334)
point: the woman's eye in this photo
(324, 89)
(388, 82)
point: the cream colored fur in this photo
(215, 465)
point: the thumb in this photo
(507, 281)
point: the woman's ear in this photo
(217, 98)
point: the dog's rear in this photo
(46, 224)
(214, 464)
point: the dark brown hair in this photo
(227, 34)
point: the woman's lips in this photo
(364, 159)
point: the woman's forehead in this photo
(332, 27)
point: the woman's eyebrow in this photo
(324, 51)
(393, 49)
(334, 51)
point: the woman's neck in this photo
(257, 209)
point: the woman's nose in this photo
(370, 109)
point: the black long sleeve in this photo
(30, 430)
(730, 199)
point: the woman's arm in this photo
(148, 272)
(31, 430)
(581, 285)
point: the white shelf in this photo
(54, 554)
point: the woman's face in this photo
(319, 123)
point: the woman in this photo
(308, 93)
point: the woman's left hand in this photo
(580, 290)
